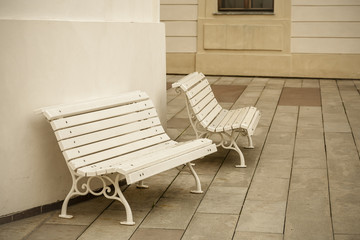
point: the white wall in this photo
(325, 26)
(180, 18)
(46, 62)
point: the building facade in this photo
(297, 38)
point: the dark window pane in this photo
(262, 4)
(233, 3)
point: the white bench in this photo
(108, 138)
(208, 118)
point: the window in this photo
(246, 5)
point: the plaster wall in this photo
(45, 62)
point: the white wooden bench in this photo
(110, 138)
(208, 118)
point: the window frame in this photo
(246, 8)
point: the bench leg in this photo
(250, 146)
(129, 217)
(233, 145)
(197, 180)
(141, 185)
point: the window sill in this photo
(243, 13)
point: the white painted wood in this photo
(163, 166)
(82, 107)
(248, 118)
(211, 116)
(201, 115)
(111, 165)
(240, 118)
(205, 101)
(192, 81)
(254, 123)
(104, 124)
(160, 156)
(221, 125)
(214, 124)
(184, 80)
(195, 100)
(101, 114)
(113, 152)
(196, 89)
(228, 125)
(112, 142)
(108, 133)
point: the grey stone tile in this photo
(310, 179)
(20, 229)
(277, 152)
(310, 148)
(307, 111)
(271, 189)
(257, 236)
(310, 122)
(57, 232)
(157, 234)
(180, 188)
(293, 83)
(223, 200)
(347, 237)
(107, 226)
(211, 227)
(309, 162)
(310, 133)
(262, 216)
(232, 177)
(83, 213)
(274, 169)
(300, 227)
(284, 138)
(171, 213)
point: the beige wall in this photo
(303, 38)
(180, 18)
(46, 62)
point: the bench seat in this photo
(118, 137)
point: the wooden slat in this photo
(196, 89)
(192, 81)
(228, 125)
(160, 156)
(201, 115)
(198, 107)
(110, 165)
(240, 118)
(212, 127)
(249, 116)
(183, 80)
(254, 123)
(104, 124)
(101, 114)
(221, 125)
(108, 133)
(111, 143)
(110, 153)
(211, 116)
(174, 162)
(92, 105)
(195, 100)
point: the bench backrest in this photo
(201, 97)
(93, 131)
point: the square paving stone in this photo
(57, 232)
(211, 227)
(300, 97)
(262, 216)
(157, 234)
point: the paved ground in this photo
(302, 180)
